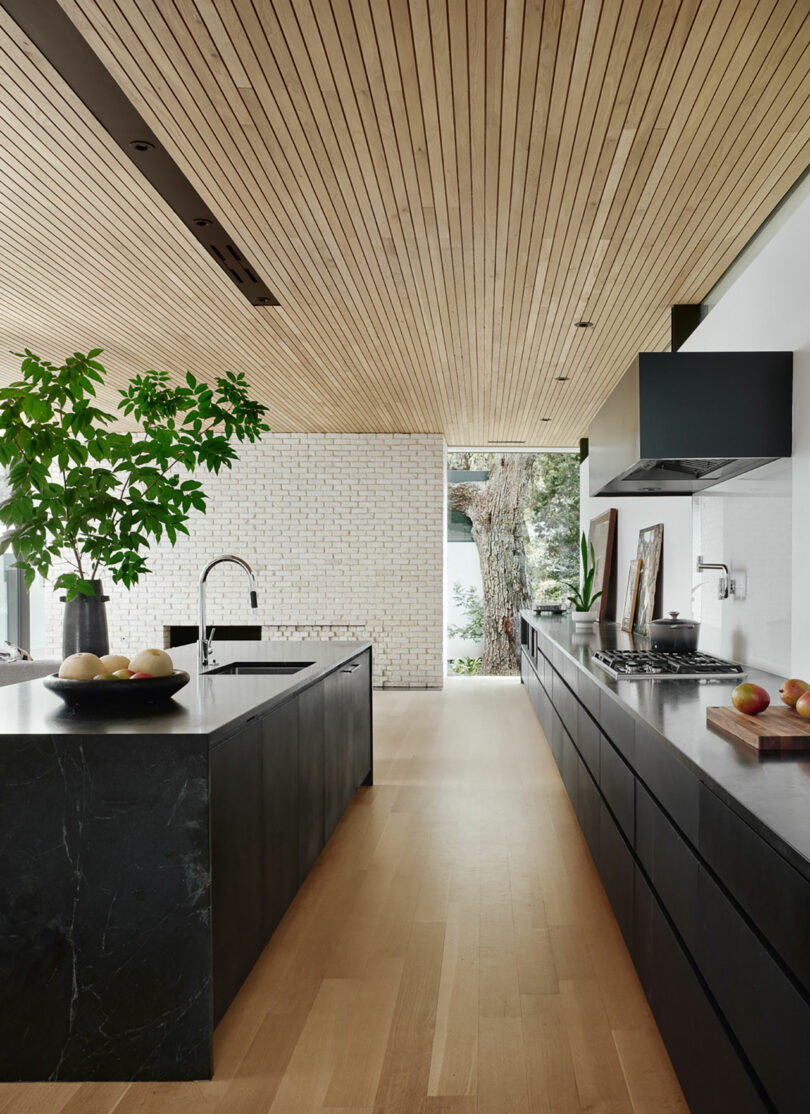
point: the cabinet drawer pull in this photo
(351, 668)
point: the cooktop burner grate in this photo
(638, 664)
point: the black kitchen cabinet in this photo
(236, 861)
(281, 868)
(359, 672)
(338, 767)
(310, 777)
(714, 1078)
(278, 788)
(716, 920)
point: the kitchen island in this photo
(147, 857)
(703, 846)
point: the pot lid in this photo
(673, 621)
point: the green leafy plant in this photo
(471, 602)
(85, 491)
(583, 599)
(466, 666)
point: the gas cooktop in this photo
(640, 664)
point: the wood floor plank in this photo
(549, 1063)
(406, 1069)
(454, 1059)
(502, 1081)
(650, 1078)
(600, 1079)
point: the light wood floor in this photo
(452, 952)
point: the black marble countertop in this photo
(210, 704)
(770, 791)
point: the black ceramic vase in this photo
(84, 629)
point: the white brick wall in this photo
(345, 534)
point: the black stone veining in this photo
(770, 792)
(105, 960)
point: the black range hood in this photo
(679, 422)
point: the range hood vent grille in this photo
(672, 469)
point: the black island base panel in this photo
(704, 852)
(147, 859)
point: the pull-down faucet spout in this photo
(206, 642)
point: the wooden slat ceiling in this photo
(435, 190)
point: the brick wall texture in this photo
(345, 534)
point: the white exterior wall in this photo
(345, 534)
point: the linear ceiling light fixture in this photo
(51, 31)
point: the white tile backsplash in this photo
(746, 523)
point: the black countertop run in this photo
(211, 705)
(770, 792)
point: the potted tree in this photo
(86, 494)
(583, 598)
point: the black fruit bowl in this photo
(127, 695)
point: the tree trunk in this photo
(496, 509)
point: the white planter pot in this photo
(584, 621)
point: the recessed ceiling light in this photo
(562, 378)
(545, 419)
(583, 324)
(264, 301)
(142, 145)
(202, 222)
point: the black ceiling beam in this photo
(48, 27)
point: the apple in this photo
(803, 705)
(750, 699)
(791, 691)
(111, 662)
(104, 677)
(156, 663)
(122, 674)
(81, 667)
(140, 676)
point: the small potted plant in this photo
(583, 599)
(86, 494)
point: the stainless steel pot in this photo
(673, 635)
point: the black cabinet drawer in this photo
(672, 783)
(766, 1012)
(670, 863)
(588, 693)
(773, 894)
(558, 734)
(570, 769)
(588, 741)
(713, 1077)
(617, 784)
(570, 672)
(588, 807)
(614, 862)
(567, 707)
(617, 725)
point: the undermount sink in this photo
(240, 668)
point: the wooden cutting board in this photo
(773, 729)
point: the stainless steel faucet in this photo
(205, 644)
(726, 585)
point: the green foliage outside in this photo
(552, 525)
(465, 666)
(83, 491)
(471, 602)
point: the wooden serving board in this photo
(773, 729)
